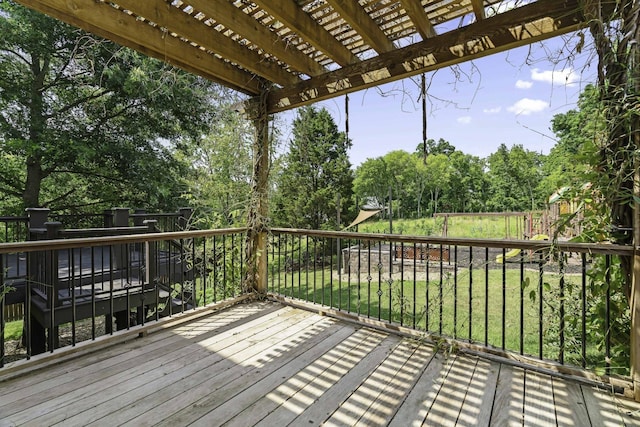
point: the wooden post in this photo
(257, 235)
(634, 300)
(635, 283)
(37, 217)
(184, 219)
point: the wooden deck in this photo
(267, 364)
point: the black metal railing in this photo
(556, 302)
(14, 228)
(76, 289)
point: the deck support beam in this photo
(257, 234)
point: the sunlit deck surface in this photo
(263, 363)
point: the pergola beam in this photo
(540, 20)
(288, 12)
(478, 9)
(233, 18)
(419, 18)
(361, 22)
(181, 23)
(105, 21)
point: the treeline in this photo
(315, 186)
(443, 179)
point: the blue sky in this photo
(508, 98)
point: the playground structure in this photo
(533, 225)
(527, 225)
(517, 225)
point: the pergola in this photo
(288, 53)
(295, 52)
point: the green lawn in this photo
(479, 306)
(13, 330)
(473, 227)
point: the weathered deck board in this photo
(508, 403)
(265, 364)
(538, 400)
(478, 402)
(97, 367)
(274, 363)
(150, 374)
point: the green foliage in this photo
(13, 330)
(316, 172)
(371, 182)
(514, 175)
(218, 185)
(596, 163)
(472, 227)
(446, 180)
(85, 124)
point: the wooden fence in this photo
(13, 312)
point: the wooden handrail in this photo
(535, 245)
(33, 246)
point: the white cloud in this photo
(556, 77)
(527, 106)
(494, 110)
(465, 120)
(523, 84)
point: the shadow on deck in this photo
(264, 363)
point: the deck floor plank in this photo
(267, 371)
(446, 407)
(478, 402)
(248, 364)
(321, 408)
(607, 410)
(508, 402)
(185, 356)
(417, 402)
(55, 376)
(282, 404)
(266, 364)
(208, 356)
(569, 403)
(250, 404)
(392, 380)
(539, 409)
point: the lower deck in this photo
(266, 364)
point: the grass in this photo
(13, 330)
(479, 307)
(475, 227)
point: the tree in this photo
(568, 161)
(85, 122)
(401, 172)
(371, 182)
(316, 174)
(219, 183)
(441, 147)
(514, 175)
(438, 171)
(468, 184)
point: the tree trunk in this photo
(37, 125)
(31, 195)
